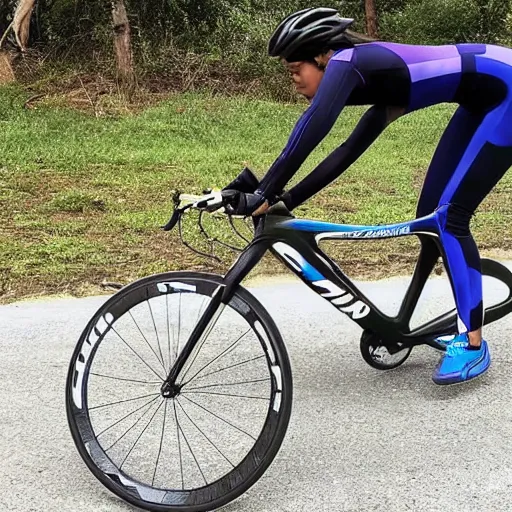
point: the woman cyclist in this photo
(333, 68)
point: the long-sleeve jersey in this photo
(383, 75)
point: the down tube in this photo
(317, 272)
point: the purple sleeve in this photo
(371, 125)
(339, 81)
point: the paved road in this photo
(359, 439)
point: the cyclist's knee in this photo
(457, 220)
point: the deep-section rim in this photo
(279, 426)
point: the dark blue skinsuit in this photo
(474, 152)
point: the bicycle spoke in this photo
(145, 339)
(125, 380)
(203, 338)
(207, 438)
(222, 354)
(200, 311)
(224, 394)
(179, 329)
(192, 453)
(141, 434)
(156, 333)
(230, 366)
(169, 331)
(133, 426)
(122, 401)
(218, 417)
(179, 444)
(127, 344)
(161, 441)
(230, 384)
(199, 314)
(124, 417)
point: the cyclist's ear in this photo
(245, 182)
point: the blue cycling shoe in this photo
(445, 340)
(461, 363)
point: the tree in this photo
(123, 47)
(6, 71)
(21, 22)
(371, 18)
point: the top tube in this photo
(428, 224)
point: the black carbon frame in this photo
(391, 329)
(271, 230)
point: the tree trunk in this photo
(371, 18)
(123, 48)
(21, 22)
(6, 72)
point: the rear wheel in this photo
(207, 445)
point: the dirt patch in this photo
(418, 179)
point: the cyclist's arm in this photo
(339, 81)
(371, 125)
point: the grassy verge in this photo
(82, 196)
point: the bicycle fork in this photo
(221, 297)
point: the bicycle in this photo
(191, 380)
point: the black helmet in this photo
(305, 34)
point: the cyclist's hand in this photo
(261, 210)
(246, 204)
(244, 182)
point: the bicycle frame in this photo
(295, 243)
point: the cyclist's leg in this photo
(486, 159)
(449, 153)
(447, 156)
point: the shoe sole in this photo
(449, 382)
(456, 382)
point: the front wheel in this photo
(207, 445)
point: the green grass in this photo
(82, 197)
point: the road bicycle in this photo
(179, 391)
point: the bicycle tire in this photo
(257, 460)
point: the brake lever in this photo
(176, 216)
(227, 195)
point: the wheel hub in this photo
(170, 390)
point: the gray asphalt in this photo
(359, 439)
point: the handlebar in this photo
(210, 202)
(225, 201)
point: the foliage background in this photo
(173, 39)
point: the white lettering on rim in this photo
(166, 287)
(88, 345)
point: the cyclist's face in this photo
(306, 77)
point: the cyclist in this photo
(332, 67)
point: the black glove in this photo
(251, 198)
(245, 204)
(244, 182)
